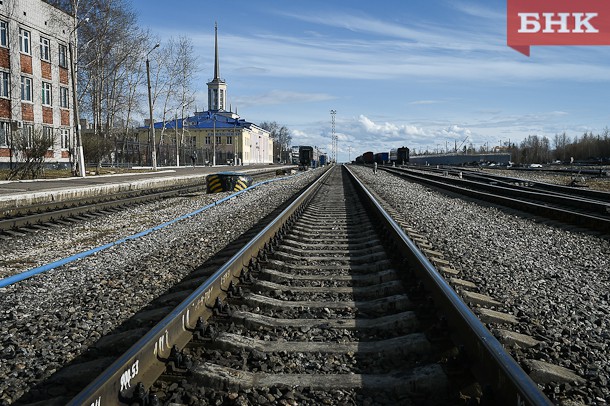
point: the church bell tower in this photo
(217, 87)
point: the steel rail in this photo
(8, 212)
(85, 208)
(530, 185)
(548, 196)
(25, 216)
(492, 365)
(572, 191)
(589, 220)
(144, 362)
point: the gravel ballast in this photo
(555, 281)
(48, 320)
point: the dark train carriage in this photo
(382, 158)
(399, 156)
(368, 157)
(305, 156)
(359, 160)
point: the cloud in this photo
(531, 121)
(251, 70)
(382, 50)
(478, 11)
(421, 102)
(388, 130)
(281, 97)
(456, 131)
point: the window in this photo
(46, 94)
(26, 88)
(229, 140)
(63, 97)
(24, 41)
(208, 140)
(4, 128)
(45, 49)
(4, 84)
(28, 132)
(47, 134)
(3, 33)
(218, 140)
(63, 56)
(65, 138)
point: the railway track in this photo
(584, 208)
(330, 303)
(15, 221)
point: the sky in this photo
(426, 74)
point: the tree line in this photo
(586, 148)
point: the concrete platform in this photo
(14, 194)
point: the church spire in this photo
(216, 62)
(217, 88)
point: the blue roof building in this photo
(215, 136)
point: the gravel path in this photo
(48, 320)
(557, 282)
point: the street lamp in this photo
(176, 134)
(214, 141)
(150, 107)
(234, 144)
(176, 131)
(73, 62)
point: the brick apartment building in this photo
(35, 78)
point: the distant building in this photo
(460, 159)
(35, 83)
(217, 135)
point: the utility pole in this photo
(333, 136)
(150, 107)
(72, 50)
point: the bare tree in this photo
(96, 148)
(281, 137)
(167, 82)
(133, 94)
(111, 75)
(561, 142)
(187, 65)
(174, 87)
(31, 146)
(110, 65)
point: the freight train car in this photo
(399, 156)
(323, 159)
(382, 158)
(368, 157)
(305, 157)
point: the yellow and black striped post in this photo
(227, 182)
